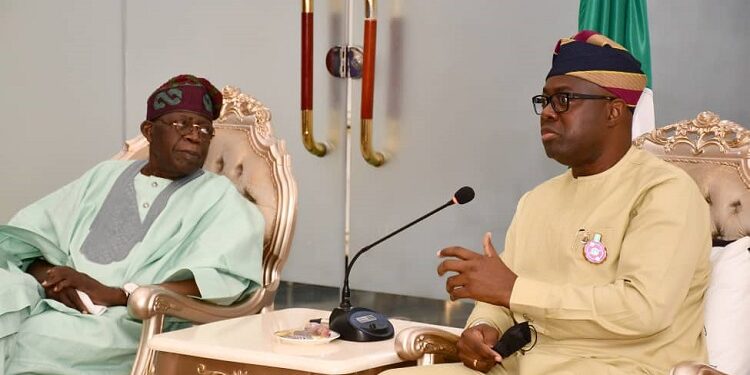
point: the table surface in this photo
(251, 339)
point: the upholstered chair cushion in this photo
(230, 156)
(728, 308)
(727, 195)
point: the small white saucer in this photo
(287, 337)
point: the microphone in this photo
(361, 324)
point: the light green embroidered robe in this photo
(207, 231)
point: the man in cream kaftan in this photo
(608, 261)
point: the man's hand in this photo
(475, 347)
(68, 297)
(60, 278)
(480, 277)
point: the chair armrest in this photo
(694, 368)
(415, 342)
(151, 300)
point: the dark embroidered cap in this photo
(594, 57)
(185, 93)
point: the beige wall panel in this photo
(60, 94)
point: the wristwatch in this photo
(129, 288)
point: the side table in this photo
(247, 345)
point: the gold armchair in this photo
(715, 153)
(245, 150)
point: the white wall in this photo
(452, 105)
(701, 59)
(60, 94)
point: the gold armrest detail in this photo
(415, 342)
(694, 368)
(151, 300)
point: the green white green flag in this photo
(625, 22)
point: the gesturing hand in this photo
(475, 347)
(61, 278)
(480, 277)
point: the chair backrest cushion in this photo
(716, 154)
(229, 155)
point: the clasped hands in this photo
(481, 277)
(60, 283)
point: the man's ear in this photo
(146, 128)
(617, 110)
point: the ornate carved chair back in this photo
(716, 154)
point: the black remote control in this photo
(513, 339)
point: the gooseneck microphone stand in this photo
(361, 324)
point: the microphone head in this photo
(463, 195)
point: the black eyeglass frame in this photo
(545, 100)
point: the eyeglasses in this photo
(204, 131)
(561, 100)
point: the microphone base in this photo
(360, 324)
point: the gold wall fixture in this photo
(308, 138)
(372, 157)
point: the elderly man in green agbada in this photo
(69, 261)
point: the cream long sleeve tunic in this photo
(638, 312)
(641, 310)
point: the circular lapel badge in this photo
(594, 251)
